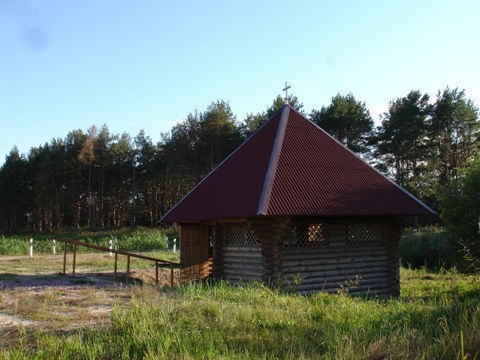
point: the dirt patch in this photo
(35, 297)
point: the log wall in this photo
(338, 267)
(359, 268)
(243, 263)
(236, 263)
(334, 269)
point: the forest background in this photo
(98, 180)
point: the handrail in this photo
(116, 252)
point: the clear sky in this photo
(132, 65)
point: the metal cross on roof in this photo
(286, 92)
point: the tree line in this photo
(96, 179)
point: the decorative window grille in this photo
(240, 234)
(306, 235)
(366, 233)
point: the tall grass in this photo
(428, 247)
(205, 321)
(141, 239)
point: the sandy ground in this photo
(33, 300)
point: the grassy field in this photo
(141, 239)
(436, 317)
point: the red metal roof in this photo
(290, 166)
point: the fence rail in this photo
(75, 244)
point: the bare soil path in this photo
(35, 296)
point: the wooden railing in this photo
(75, 244)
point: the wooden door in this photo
(194, 251)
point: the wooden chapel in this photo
(294, 203)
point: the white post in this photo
(116, 244)
(166, 242)
(110, 247)
(54, 248)
(31, 248)
(174, 245)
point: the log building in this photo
(294, 207)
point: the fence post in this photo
(64, 257)
(116, 260)
(110, 247)
(128, 269)
(31, 248)
(54, 248)
(116, 243)
(74, 257)
(174, 245)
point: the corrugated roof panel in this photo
(292, 167)
(316, 175)
(233, 188)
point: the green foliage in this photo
(402, 142)
(455, 132)
(423, 146)
(218, 134)
(438, 319)
(347, 120)
(97, 180)
(429, 248)
(252, 123)
(460, 201)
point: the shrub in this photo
(460, 202)
(428, 247)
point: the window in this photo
(306, 234)
(240, 234)
(365, 233)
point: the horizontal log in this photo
(340, 261)
(238, 266)
(242, 248)
(242, 282)
(241, 272)
(368, 292)
(250, 254)
(242, 259)
(241, 277)
(365, 278)
(335, 267)
(332, 258)
(328, 251)
(364, 283)
(340, 278)
(336, 286)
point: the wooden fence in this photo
(158, 262)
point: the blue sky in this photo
(132, 65)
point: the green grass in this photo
(437, 317)
(140, 239)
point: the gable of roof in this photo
(290, 166)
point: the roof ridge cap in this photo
(272, 166)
